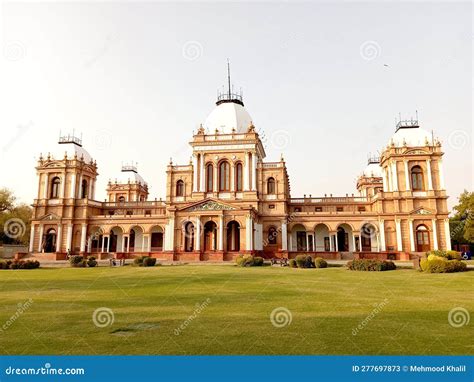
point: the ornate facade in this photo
(228, 200)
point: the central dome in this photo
(228, 116)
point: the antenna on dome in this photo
(228, 77)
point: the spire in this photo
(228, 95)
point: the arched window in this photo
(224, 176)
(271, 186)
(416, 178)
(179, 188)
(272, 235)
(121, 199)
(209, 177)
(55, 182)
(238, 177)
(84, 189)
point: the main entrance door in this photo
(422, 239)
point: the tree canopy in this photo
(14, 219)
(462, 223)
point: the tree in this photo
(14, 219)
(462, 223)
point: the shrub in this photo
(438, 264)
(248, 261)
(371, 265)
(292, 263)
(91, 261)
(320, 263)
(448, 255)
(149, 261)
(19, 264)
(77, 261)
(258, 261)
(304, 261)
(138, 261)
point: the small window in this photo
(318, 209)
(179, 188)
(271, 186)
(271, 206)
(361, 209)
(416, 178)
(238, 177)
(147, 212)
(272, 235)
(84, 189)
(129, 212)
(55, 182)
(111, 212)
(209, 178)
(224, 176)
(339, 209)
(297, 209)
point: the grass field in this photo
(227, 310)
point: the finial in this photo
(216, 131)
(171, 161)
(281, 158)
(201, 130)
(251, 128)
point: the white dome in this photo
(373, 170)
(411, 137)
(71, 150)
(227, 116)
(126, 176)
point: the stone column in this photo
(441, 175)
(447, 234)
(394, 176)
(284, 236)
(216, 178)
(360, 243)
(254, 171)
(123, 243)
(108, 243)
(32, 237)
(89, 195)
(198, 234)
(62, 193)
(307, 242)
(202, 177)
(354, 242)
(290, 248)
(59, 238)
(430, 177)
(69, 238)
(83, 237)
(220, 244)
(249, 233)
(336, 243)
(195, 173)
(246, 172)
(72, 191)
(382, 235)
(232, 178)
(314, 241)
(407, 176)
(398, 231)
(435, 234)
(412, 239)
(45, 187)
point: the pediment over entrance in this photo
(50, 216)
(422, 211)
(209, 205)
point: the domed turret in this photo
(410, 134)
(127, 186)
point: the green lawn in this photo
(226, 310)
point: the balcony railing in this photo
(330, 199)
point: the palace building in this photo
(228, 200)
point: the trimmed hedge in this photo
(19, 264)
(449, 255)
(249, 261)
(319, 262)
(304, 261)
(371, 265)
(292, 263)
(144, 261)
(77, 261)
(91, 261)
(438, 264)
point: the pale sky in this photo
(324, 82)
